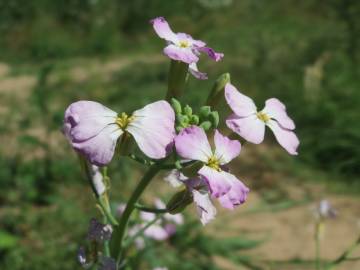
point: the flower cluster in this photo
(172, 137)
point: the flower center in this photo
(124, 120)
(263, 117)
(214, 163)
(184, 44)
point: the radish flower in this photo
(192, 144)
(182, 47)
(93, 129)
(250, 124)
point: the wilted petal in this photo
(206, 210)
(85, 119)
(241, 105)
(217, 181)
(237, 194)
(153, 129)
(81, 256)
(177, 53)
(192, 143)
(285, 137)
(193, 69)
(250, 128)
(211, 53)
(277, 110)
(225, 149)
(100, 149)
(163, 29)
(99, 232)
(97, 179)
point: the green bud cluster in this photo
(206, 118)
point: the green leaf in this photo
(7, 240)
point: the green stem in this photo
(119, 232)
(344, 256)
(140, 232)
(317, 244)
(150, 210)
(177, 79)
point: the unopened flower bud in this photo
(176, 105)
(179, 202)
(206, 125)
(214, 118)
(194, 120)
(188, 110)
(205, 112)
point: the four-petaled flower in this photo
(182, 47)
(250, 124)
(94, 129)
(192, 144)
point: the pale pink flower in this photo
(93, 129)
(182, 47)
(250, 123)
(192, 144)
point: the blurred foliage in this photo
(305, 53)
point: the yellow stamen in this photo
(124, 120)
(184, 44)
(263, 117)
(214, 163)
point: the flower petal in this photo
(285, 137)
(211, 53)
(193, 69)
(100, 149)
(250, 128)
(163, 29)
(237, 194)
(156, 232)
(153, 129)
(206, 210)
(225, 149)
(85, 119)
(175, 178)
(240, 104)
(277, 110)
(217, 181)
(192, 143)
(185, 55)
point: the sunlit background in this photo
(306, 53)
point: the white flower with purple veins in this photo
(93, 129)
(182, 47)
(250, 123)
(192, 144)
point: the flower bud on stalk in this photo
(179, 202)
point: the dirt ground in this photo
(289, 232)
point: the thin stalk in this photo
(119, 232)
(140, 232)
(344, 256)
(150, 209)
(317, 244)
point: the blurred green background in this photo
(52, 53)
